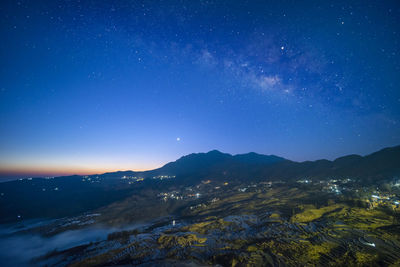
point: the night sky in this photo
(93, 86)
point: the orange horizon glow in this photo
(61, 165)
(61, 171)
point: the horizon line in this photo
(15, 173)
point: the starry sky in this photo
(93, 86)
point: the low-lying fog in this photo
(20, 249)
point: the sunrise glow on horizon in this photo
(136, 85)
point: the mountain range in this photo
(378, 166)
(70, 195)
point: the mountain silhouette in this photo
(64, 196)
(381, 165)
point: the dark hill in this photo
(375, 167)
(216, 165)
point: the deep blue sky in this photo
(89, 86)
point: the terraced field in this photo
(281, 226)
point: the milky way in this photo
(105, 85)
